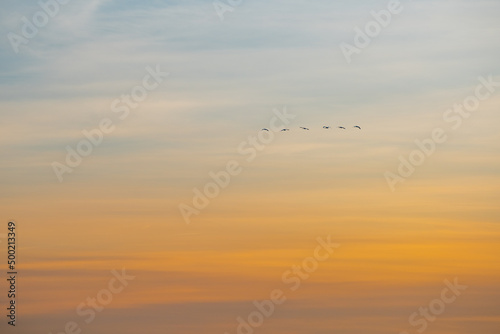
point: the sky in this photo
(404, 231)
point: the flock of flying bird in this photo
(324, 127)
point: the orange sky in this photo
(119, 208)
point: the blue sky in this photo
(226, 77)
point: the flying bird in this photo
(285, 130)
(341, 127)
(304, 128)
(265, 129)
(357, 126)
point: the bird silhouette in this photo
(326, 127)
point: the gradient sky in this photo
(119, 208)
